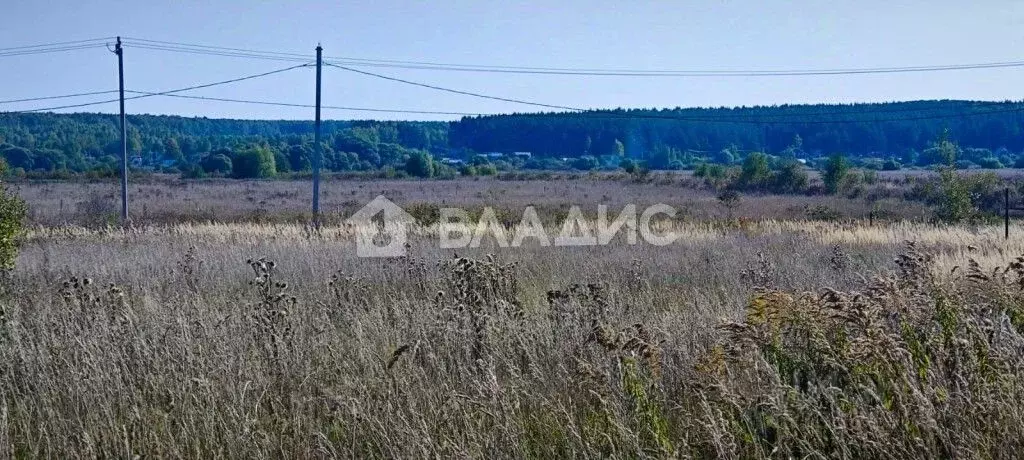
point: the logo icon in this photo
(381, 228)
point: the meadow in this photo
(164, 199)
(760, 334)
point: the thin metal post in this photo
(318, 154)
(124, 135)
(1006, 213)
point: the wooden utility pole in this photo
(124, 137)
(318, 154)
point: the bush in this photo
(835, 175)
(586, 163)
(791, 178)
(755, 172)
(487, 170)
(254, 163)
(12, 218)
(822, 212)
(420, 164)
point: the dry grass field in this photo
(746, 338)
(164, 199)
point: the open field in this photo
(165, 342)
(164, 199)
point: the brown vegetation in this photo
(743, 340)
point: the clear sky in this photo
(634, 34)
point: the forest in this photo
(878, 136)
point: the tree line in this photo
(875, 136)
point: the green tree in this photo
(955, 204)
(836, 170)
(172, 151)
(468, 170)
(281, 163)
(255, 162)
(216, 163)
(16, 157)
(487, 170)
(755, 171)
(299, 158)
(420, 164)
(790, 178)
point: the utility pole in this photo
(124, 137)
(318, 154)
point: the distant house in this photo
(452, 161)
(523, 155)
(168, 163)
(494, 155)
(136, 162)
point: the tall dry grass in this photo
(167, 200)
(750, 340)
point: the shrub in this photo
(420, 164)
(12, 217)
(790, 178)
(256, 162)
(487, 170)
(836, 170)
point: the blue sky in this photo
(642, 35)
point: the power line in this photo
(164, 93)
(427, 65)
(683, 73)
(63, 96)
(142, 41)
(456, 91)
(307, 106)
(655, 116)
(101, 40)
(240, 52)
(50, 50)
(221, 53)
(596, 114)
(667, 73)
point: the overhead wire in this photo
(456, 91)
(214, 52)
(50, 50)
(427, 65)
(55, 44)
(307, 106)
(609, 114)
(163, 93)
(63, 96)
(348, 66)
